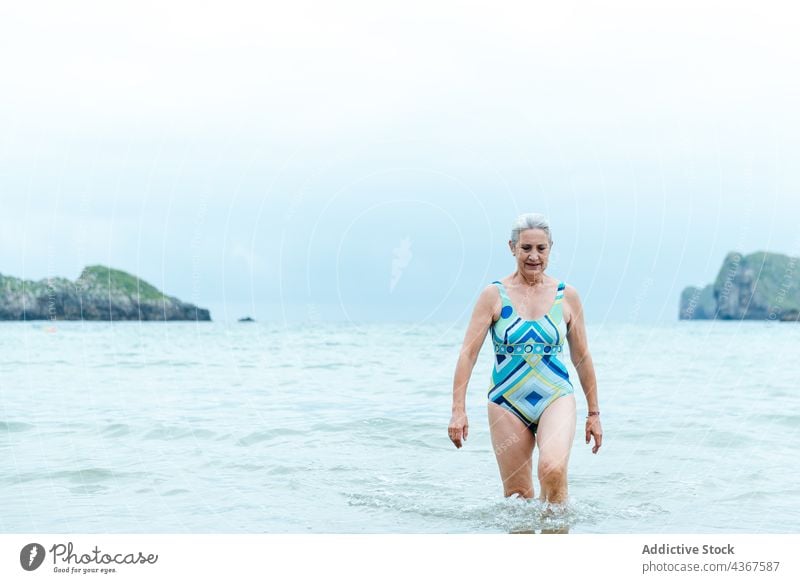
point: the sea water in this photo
(342, 428)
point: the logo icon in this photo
(31, 556)
(401, 257)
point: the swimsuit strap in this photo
(560, 293)
(506, 312)
(502, 289)
(556, 312)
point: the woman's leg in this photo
(513, 446)
(555, 435)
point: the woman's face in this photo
(532, 252)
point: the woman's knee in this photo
(521, 485)
(552, 471)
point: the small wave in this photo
(259, 436)
(171, 432)
(330, 427)
(85, 475)
(636, 434)
(14, 426)
(81, 476)
(754, 495)
(176, 492)
(639, 511)
(777, 419)
(116, 430)
(399, 423)
(332, 365)
(88, 488)
(430, 444)
(245, 467)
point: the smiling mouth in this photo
(533, 264)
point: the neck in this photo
(537, 279)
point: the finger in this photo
(588, 433)
(598, 441)
(466, 431)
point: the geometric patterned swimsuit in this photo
(528, 374)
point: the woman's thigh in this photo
(513, 446)
(556, 433)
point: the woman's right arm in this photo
(479, 324)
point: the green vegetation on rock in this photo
(758, 286)
(119, 282)
(100, 293)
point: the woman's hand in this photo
(593, 428)
(458, 428)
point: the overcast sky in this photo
(364, 160)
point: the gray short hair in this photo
(530, 221)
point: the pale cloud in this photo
(251, 259)
(309, 66)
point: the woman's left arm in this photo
(582, 360)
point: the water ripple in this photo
(14, 426)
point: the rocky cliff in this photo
(100, 293)
(760, 286)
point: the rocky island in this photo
(760, 286)
(100, 293)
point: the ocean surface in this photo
(342, 428)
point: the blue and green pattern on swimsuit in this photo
(528, 375)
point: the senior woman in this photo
(531, 400)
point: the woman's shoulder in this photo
(490, 293)
(571, 296)
(490, 301)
